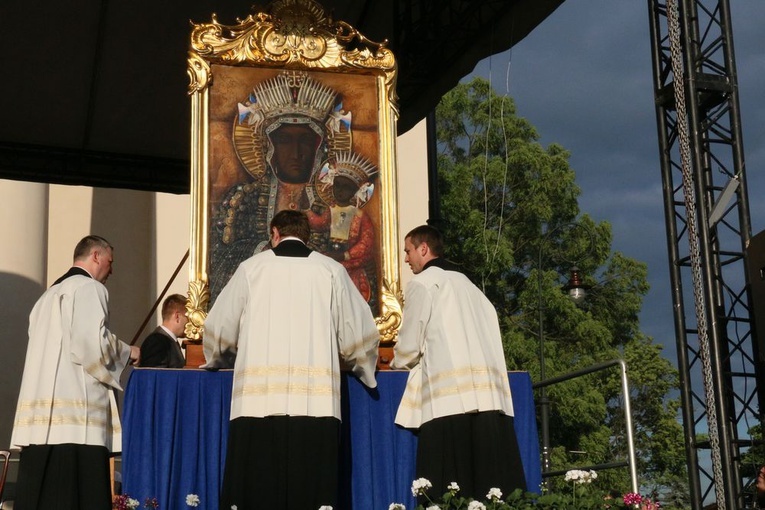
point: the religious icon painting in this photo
(285, 117)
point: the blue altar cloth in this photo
(175, 427)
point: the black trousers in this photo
(281, 462)
(63, 477)
(478, 451)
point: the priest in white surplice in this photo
(289, 315)
(458, 392)
(66, 419)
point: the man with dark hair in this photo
(432, 239)
(289, 315)
(162, 347)
(290, 223)
(66, 419)
(458, 392)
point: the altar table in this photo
(175, 427)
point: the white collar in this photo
(291, 238)
(169, 332)
(89, 273)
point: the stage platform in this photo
(175, 426)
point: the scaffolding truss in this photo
(719, 184)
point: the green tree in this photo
(511, 219)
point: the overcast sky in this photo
(583, 78)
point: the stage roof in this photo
(95, 91)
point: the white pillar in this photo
(69, 216)
(412, 186)
(172, 240)
(23, 258)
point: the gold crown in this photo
(354, 167)
(289, 95)
(292, 93)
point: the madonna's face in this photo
(295, 149)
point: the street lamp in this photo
(575, 287)
(576, 292)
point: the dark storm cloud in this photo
(584, 80)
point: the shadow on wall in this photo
(16, 301)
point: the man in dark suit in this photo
(162, 348)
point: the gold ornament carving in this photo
(294, 33)
(199, 73)
(390, 319)
(196, 306)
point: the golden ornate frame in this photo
(294, 35)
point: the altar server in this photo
(289, 315)
(458, 392)
(66, 419)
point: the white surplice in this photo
(290, 321)
(72, 366)
(450, 340)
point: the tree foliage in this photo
(511, 219)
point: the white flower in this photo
(233, 507)
(192, 500)
(476, 505)
(132, 503)
(494, 494)
(588, 476)
(432, 507)
(453, 487)
(420, 485)
(397, 506)
(322, 507)
(580, 476)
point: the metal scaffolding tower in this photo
(708, 231)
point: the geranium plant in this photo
(125, 502)
(520, 500)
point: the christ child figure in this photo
(351, 232)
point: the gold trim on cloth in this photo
(284, 370)
(58, 404)
(424, 397)
(61, 420)
(285, 389)
(58, 412)
(482, 372)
